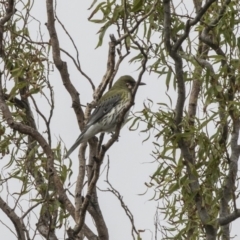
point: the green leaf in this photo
(93, 3)
(137, 5)
(102, 33)
(168, 78)
(96, 10)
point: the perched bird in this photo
(105, 115)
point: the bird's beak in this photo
(142, 84)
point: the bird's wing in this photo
(103, 108)
(100, 111)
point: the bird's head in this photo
(126, 82)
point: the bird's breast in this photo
(109, 121)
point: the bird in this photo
(105, 115)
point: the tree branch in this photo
(225, 220)
(61, 65)
(123, 205)
(178, 66)
(138, 22)
(9, 13)
(99, 159)
(187, 155)
(229, 186)
(18, 224)
(191, 23)
(75, 47)
(39, 138)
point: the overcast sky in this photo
(131, 163)
(130, 160)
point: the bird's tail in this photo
(74, 146)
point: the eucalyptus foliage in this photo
(193, 48)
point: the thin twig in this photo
(120, 198)
(78, 65)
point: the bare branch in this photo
(8, 227)
(197, 5)
(207, 39)
(30, 209)
(75, 47)
(229, 218)
(18, 224)
(187, 155)
(205, 64)
(178, 65)
(87, 198)
(80, 180)
(96, 213)
(167, 25)
(191, 23)
(99, 159)
(120, 198)
(138, 22)
(44, 119)
(61, 65)
(197, 83)
(9, 13)
(229, 186)
(47, 150)
(45, 229)
(110, 69)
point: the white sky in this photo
(130, 160)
